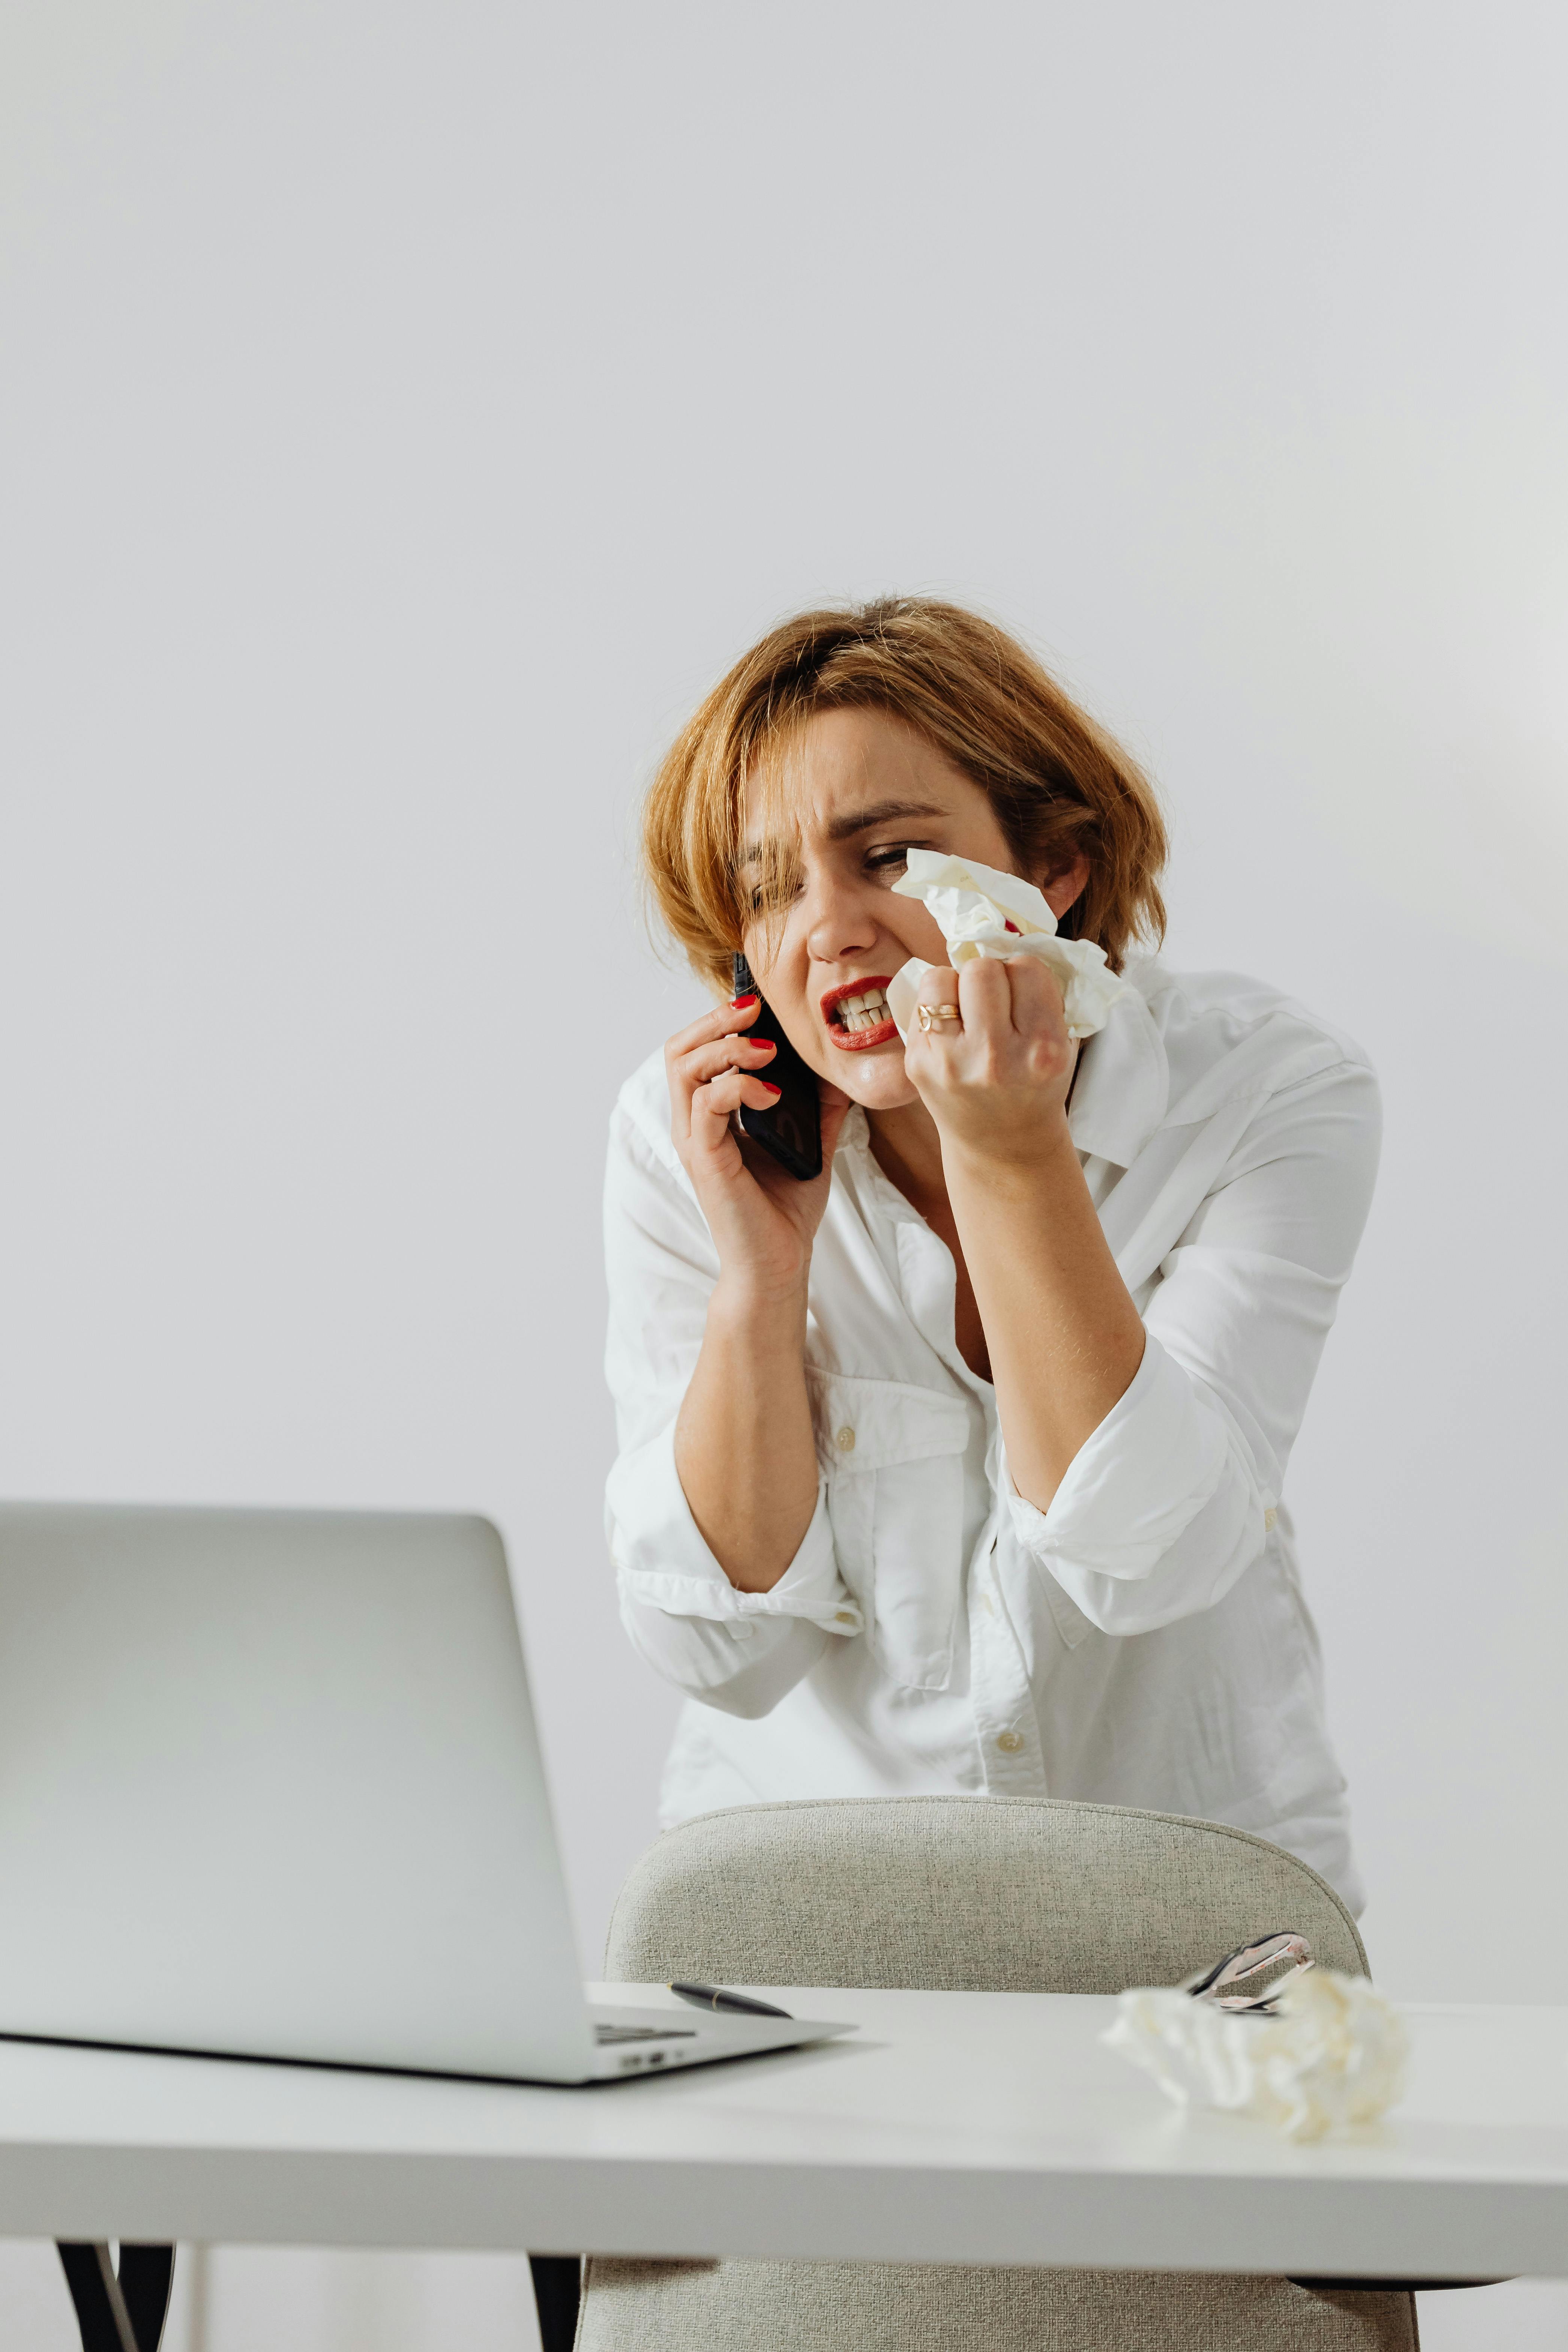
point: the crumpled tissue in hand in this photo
(1334, 2052)
(983, 913)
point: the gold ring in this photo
(930, 1014)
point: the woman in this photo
(959, 1469)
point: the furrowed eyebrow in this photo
(856, 821)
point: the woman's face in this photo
(863, 790)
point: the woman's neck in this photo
(908, 1149)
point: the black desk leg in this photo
(557, 2290)
(120, 2311)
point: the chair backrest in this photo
(961, 1894)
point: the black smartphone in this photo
(791, 1128)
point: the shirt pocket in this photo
(893, 1458)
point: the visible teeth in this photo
(868, 1011)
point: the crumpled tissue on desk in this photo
(1333, 2054)
(983, 913)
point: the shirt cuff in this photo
(1137, 1482)
(661, 1559)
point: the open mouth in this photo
(857, 1014)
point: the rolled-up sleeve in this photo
(1173, 1497)
(738, 1651)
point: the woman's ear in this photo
(1067, 887)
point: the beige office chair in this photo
(1002, 1894)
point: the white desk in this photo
(956, 2126)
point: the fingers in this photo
(735, 1090)
(937, 1012)
(715, 1065)
(700, 1053)
(1035, 998)
(983, 992)
(1010, 1019)
(706, 1062)
(723, 1021)
(973, 1002)
(986, 997)
(1019, 995)
(714, 1104)
(940, 988)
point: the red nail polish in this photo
(770, 1087)
(739, 1004)
(763, 1045)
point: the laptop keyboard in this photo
(606, 2033)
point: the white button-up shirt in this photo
(1144, 1640)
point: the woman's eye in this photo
(892, 859)
(764, 898)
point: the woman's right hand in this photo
(763, 1220)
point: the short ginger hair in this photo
(1058, 784)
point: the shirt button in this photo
(845, 1440)
(1269, 1517)
(1009, 1742)
(844, 1616)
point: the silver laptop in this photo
(270, 1788)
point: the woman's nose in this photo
(841, 921)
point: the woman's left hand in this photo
(995, 1080)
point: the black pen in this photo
(739, 2004)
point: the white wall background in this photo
(410, 407)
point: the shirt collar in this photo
(855, 1135)
(1121, 1091)
(1123, 1084)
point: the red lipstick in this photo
(846, 1018)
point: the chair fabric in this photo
(961, 1893)
(757, 2306)
(983, 1894)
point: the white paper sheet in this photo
(981, 912)
(1334, 2053)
